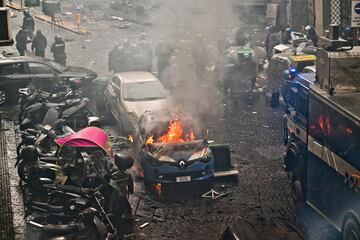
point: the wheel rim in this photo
(2, 97)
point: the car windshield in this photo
(142, 91)
(57, 65)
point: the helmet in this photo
(29, 153)
(268, 29)
(308, 28)
(26, 12)
(288, 29)
(57, 37)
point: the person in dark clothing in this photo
(21, 41)
(39, 44)
(58, 50)
(199, 54)
(286, 37)
(163, 53)
(311, 35)
(28, 23)
(240, 38)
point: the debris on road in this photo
(144, 225)
(214, 194)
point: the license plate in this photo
(183, 179)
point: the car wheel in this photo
(351, 229)
(3, 97)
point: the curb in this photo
(17, 204)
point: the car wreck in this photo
(171, 151)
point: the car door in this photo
(42, 75)
(13, 76)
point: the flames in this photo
(175, 134)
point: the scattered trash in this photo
(92, 62)
(214, 194)
(117, 18)
(210, 68)
(88, 40)
(265, 126)
(144, 225)
(254, 112)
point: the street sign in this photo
(355, 13)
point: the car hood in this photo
(139, 107)
(174, 152)
(80, 71)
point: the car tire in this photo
(4, 98)
(351, 229)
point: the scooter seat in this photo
(48, 207)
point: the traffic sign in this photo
(355, 13)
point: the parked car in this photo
(172, 151)
(19, 72)
(129, 94)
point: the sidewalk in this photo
(6, 217)
(64, 24)
(12, 220)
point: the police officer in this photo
(58, 50)
(146, 50)
(21, 41)
(28, 23)
(163, 53)
(39, 44)
(111, 57)
(286, 37)
(250, 67)
(240, 38)
(311, 34)
(199, 54)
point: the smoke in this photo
(193, 29)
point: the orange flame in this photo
(149, 140)
(175, 134)
(130, 138)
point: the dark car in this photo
(19, 72)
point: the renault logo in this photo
(182, 163)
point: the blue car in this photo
(164, 160)
(177, 163)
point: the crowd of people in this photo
(39, 41)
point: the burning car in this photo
(171, 152)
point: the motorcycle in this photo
(75, 112)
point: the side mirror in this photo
(123, 161)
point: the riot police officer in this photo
(311, 34)
(28, 23)
(163, 53)
(21, 41)
(39, 44)
(286, 37)
(58, 50)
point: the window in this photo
(143, 91)
(13, 68)
(318, 122)
(302, 104)
(39, 68)
(349, 133)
